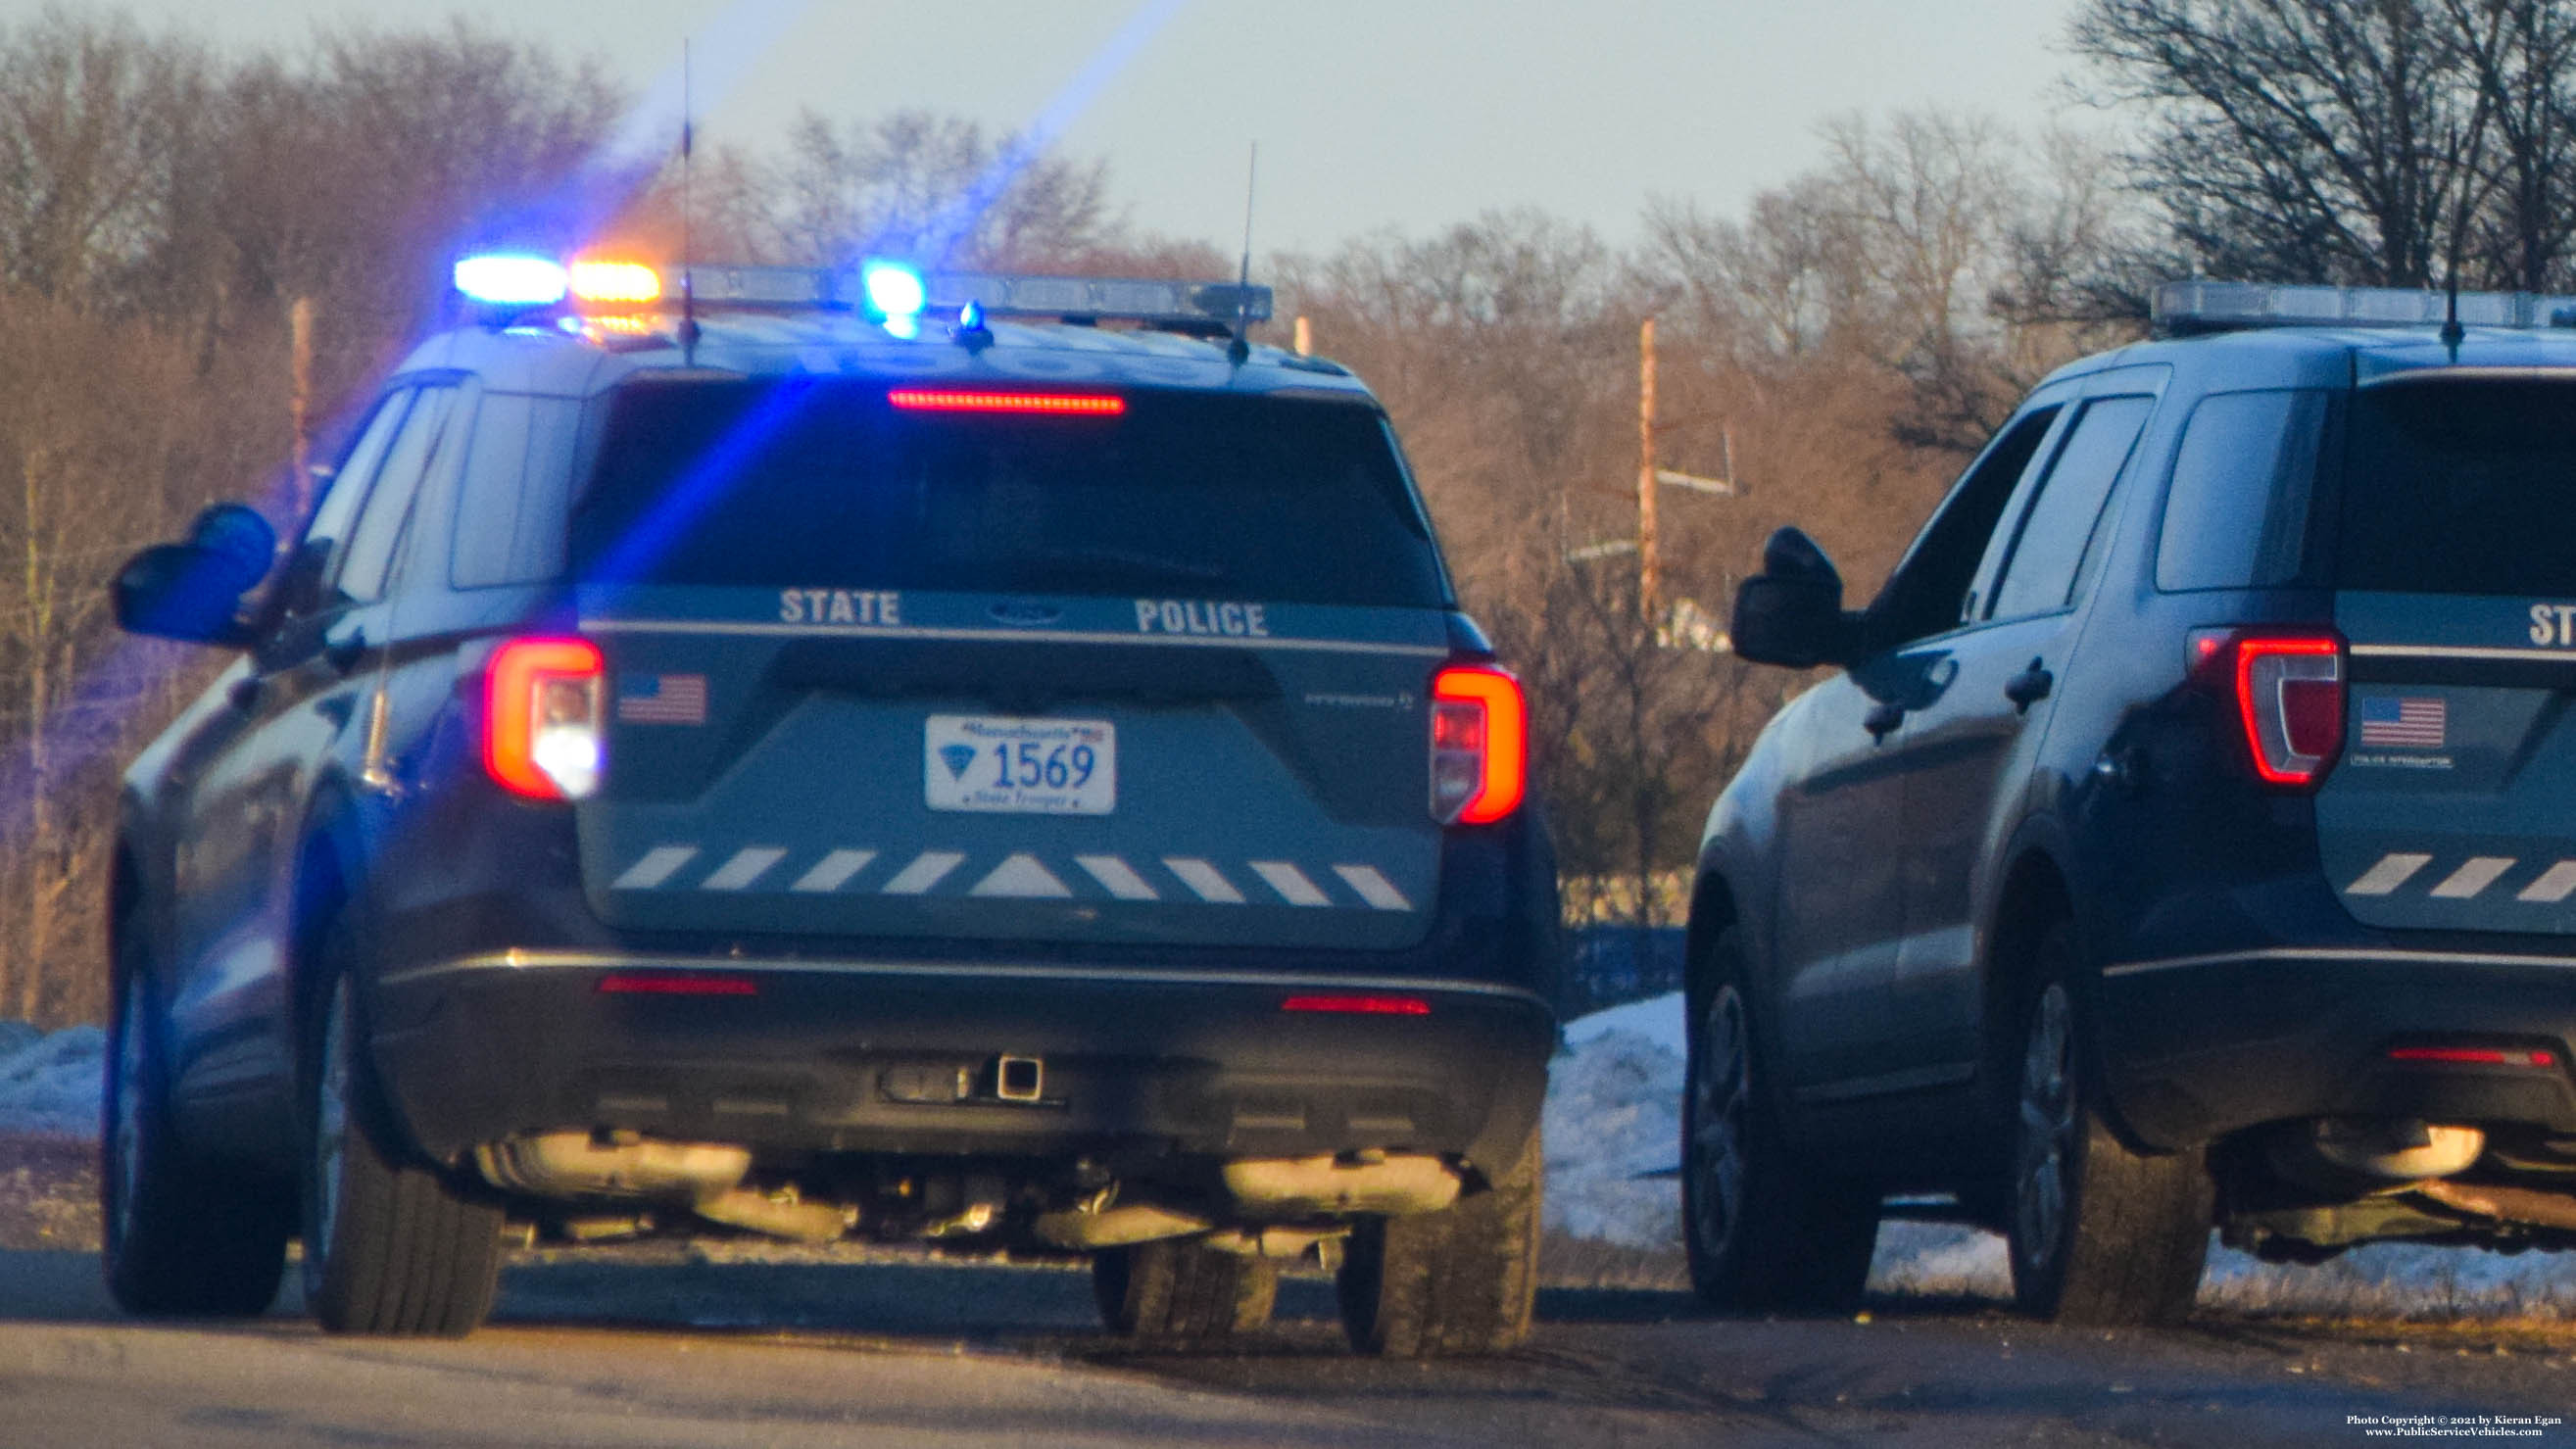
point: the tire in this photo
(1765, 1232)
(182, 1238)
(2100, 1234)
(390, 1247)
(1179, 1291)
(1460, 1281)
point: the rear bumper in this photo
(2197, 1047)
(820, 1055)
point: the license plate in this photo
(1023, 766)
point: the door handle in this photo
(2029, 687)
(344, 651)
(1883, 720)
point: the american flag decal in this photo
(673, 699)
(2406, 723)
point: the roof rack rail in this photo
(2190, 308)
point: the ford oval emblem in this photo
(1026, 614)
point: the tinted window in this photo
(2237, 514)
(348, 486)
(518, 480)
(2464, 487)
(823, 483)
(371, 542)
(2040, 576)
(1925, 595)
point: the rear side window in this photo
(2463, 486)
(2039, 577)
(517, 485)
(824, 483)
(2237, 514)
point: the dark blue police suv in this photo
(988, 759)
(2186, 836)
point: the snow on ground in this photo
(50, 1083)
(1614, 1113)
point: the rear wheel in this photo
(1460, 1281)
(2100, 1234)
(1766, 1233)
(181, 1237)
(1178, 1291)
(390, 1247)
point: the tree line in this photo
(1834, 348)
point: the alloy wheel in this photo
(2045, 1159)
(1721, 1108)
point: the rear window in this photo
(2461, 487)
(2237, 514)
(805, 482)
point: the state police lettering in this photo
(2550, 624)
(839, 606)
(1201, 616)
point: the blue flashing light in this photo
(511, 279)
(893, 289)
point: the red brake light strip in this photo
(1056, 404)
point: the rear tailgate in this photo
(2455, 804)
(845, 700)
(954, 776)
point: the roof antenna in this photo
(1239, 350)
(688, 241)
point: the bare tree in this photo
(2312, 140)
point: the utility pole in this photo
(299, 398)
(1649, 568)
(1305, 337)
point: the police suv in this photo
(2184, 837)
(958, 758)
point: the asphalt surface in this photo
(655, 1346)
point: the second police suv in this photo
(977, 758)
(2185, 838)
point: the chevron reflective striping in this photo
(658, 865)
(2552, 886)
(1117, 877)
(1021, 877)
(1373, 887)
(2388, 875)
(2472, 877)
(927, 869)
(1210, 884)
(748, 864)
(833, 871)
(1291, 883)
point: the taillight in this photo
(542, 736)
(2289, 698)
(1479, 744)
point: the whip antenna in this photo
(1240, 348)
(688, 210)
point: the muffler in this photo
(706, 1177)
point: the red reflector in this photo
(1059, 404)
(2473, 1056)
(676, 983)
(1360, 1005)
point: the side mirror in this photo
(193, 590)
(1791, 613)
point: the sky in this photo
(1369, 114)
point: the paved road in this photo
(648, 1349)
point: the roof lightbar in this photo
(1125, 299)
(1105, 298)
(2189, 307)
